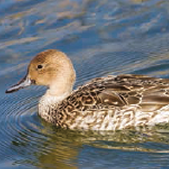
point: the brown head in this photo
(50, 68)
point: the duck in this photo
(113, 102)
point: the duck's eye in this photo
(39, 66)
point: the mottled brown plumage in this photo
(106, 103)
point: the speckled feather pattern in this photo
(111, 103)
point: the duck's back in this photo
(116, 102)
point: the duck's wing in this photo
(148, 93)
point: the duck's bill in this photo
(25, 82)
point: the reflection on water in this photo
(101, 37)
(65, 149)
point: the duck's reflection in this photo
(58, 148)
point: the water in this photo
(101, 37)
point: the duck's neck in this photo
(58, 91)
(48, 105)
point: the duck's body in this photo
(110, 103)
(107, 103)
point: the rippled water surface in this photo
(101, 37)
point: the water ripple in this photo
(101, 37)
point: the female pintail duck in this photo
(106, 103)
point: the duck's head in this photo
(50, 68)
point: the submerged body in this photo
(107, 103)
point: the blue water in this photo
(101, 37)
